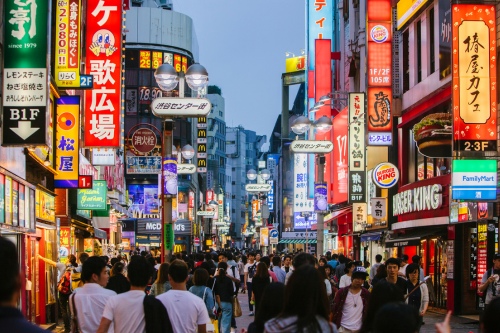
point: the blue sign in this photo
(273, 233)
(86, 82)
(300, 223)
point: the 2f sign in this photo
(21, 114)
(86, 81)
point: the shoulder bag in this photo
(75, 327)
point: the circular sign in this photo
(379, 34)
(385, 175)
(143, 140)
(273, 233)
(66, 121)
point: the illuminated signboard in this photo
(144, 59)
(340, 160)
(295, 64)
(67, 141)
(157, 59)
(357, 149)
(474, 77)
(379, 72)
(474, 180)
(408, 8)
(201, 142)
(103, 61)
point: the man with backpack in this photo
(65, 290)
(250, 269)
(491, 282)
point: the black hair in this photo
(117, 268)
(405, 257)
(178, 271)
(271, 304)
(412, 268)
(11, 279)
(490, 321)
(113, 261)
(139, 272)
(392, 261)
(229, 256)
(348, 266)
(404, 319)
(415, 259)
(276, 261)
(335, 256)
(200, 277)
(222, 269)
(266, 260)
(93, 265)
(303, 259)
(378, 258)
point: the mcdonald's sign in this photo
(202, 133)
(202, 163)
(201, 140)
(202, 148)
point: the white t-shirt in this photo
(249, 279)
(186, 310)
(352, 312)
(402, 270)
(90, 301)
(126, 311)
(345, 281)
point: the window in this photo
(406, 61)
(432, 42)
(419, 50)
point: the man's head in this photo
(287, 261)
(276, 261)
(404, 259)
(257, 257)
(496, 261)
(302, 259)
(358, 276)
(94, 271)
(82, 257)
(11, 278)
(251, 256)
(416, 259)
(229, 256)
(378, 258)
(222, 257)
(335, 256)
(178, 271)
(266, 261)
(392, 265)
(139, 272)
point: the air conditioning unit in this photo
(165, 4)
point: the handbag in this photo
(236, 307)
(212, 313)
(213, 326)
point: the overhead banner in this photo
(320, 198)
(67, 44)
(340, 158)
(94, 199)
(201, 141)
(25, 79)
(170, 176)
(67, 142)
(379, 71)
(357, 148)
(103, 61)
(474, 78)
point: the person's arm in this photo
(48, 261)
(217, 298)
(246, 280)
(424, 303)
(104, 325)
(152, 291)
(486, 282)
(328, 287)
(444, 327)
(202, 328)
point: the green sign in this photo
(94, 199)
(169, 236)
(84, 213)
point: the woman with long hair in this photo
(200, 289)
(223, 289)
(260, 281)
(306, 307)
(345, 280)
(118, 282)
(161, 285)
(272, 304)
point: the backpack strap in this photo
(75, 327)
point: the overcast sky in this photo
(242, 44)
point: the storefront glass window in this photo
(421, 167)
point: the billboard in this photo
(144, 198)
(67, 141)
(474, 180)
(357, 148)
(103, 61)
(93, 199)
(338, 192)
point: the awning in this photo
(371, 236)
(298, 241)
(412, 238)
(337, 213)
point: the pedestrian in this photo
(117, 311)
(117, 281)
(241, 270)
(334, 261)
(267, 261)
(396, 318)
(403, 265)
(324, 276)
(224, 292)
(287, 264)
(350, 304)
(340, 269)
(490, 282)
(87, 303)
(260, 281)
(418, 294)
(322, 262)
(250, 269)
(161, 285)
(187, 312)
(11, 318)
(345, 280)
(306, 305)
(489, 322)
(299, 260)
(65, 289)
(392, 265)
(416, 259)
(373, 270)
(203, 291)
(280, 273)
(382, 293)
(381, 274)
(272, 304)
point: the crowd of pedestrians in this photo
(197, 293)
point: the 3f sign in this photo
(20, 114)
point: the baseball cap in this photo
(496, 256)
(359, 270)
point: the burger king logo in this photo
(385, 175)
(379, 34)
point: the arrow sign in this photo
(24, 129)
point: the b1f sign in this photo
(474, 180)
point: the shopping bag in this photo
(236, 307)
(213, 326)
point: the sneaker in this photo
(251, 313)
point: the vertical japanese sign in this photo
(473, 259)
(15, 203)
(67, 44)
(357, 148)
(482, 250)
(319, 23)
(474, 77)
(67, 129)
(2, 198)
(359, 216)
(301, 203)
(103, 44)
(340, 158)
(64, 243)
(379, 30)
(8, 200)
(201, 141)
(25, 81)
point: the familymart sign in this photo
(474, 180)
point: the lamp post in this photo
(264, 174)
(167, 79)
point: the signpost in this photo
(311, 146)
(257, 187)
(180, 107)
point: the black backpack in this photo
(251, 271)
(156, 316)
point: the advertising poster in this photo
(8, 200)
(64, 243)
(45, 206)
(2, 198)
(93, 199)
(170, 176)
(340, 158)
(144, 198)
(320, 198)
(22, 206)
(15, 203)
(264, 236)
(88, 246)
(67, 141)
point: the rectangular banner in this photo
(320, 198)
(8, 200)
(67, 43)
(94, 199)
(474, 96)
(67, 141)
(301, 202)
(357, 145)
(444, 38)
(357, 186)
(359, 216)
(264, 236)
(45, 206)
(103, 61)
(25, 79)
(64, 243)
(201, 141)
(340, 158)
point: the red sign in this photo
(85, 181)
(482, 251)
(338, 192)
(143, 140)
(210, 196)
(103, 49)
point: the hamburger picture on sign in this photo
(433, 135)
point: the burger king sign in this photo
(385, 175)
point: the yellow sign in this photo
(295, 64)
(67, 44)
(157, 59)
(67, 130)
(144, 59)
(45, 206)
(264, 236)
(408, 8)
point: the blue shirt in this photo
(206, 294)
(280, 274)
(333, 263)
(12, 320)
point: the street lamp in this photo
(167, 79)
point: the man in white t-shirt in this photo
(91, 298)
(126, 310)
(249, 271)
(403, 265)
(187, 312)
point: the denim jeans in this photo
(225, 319)
(249, 292)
